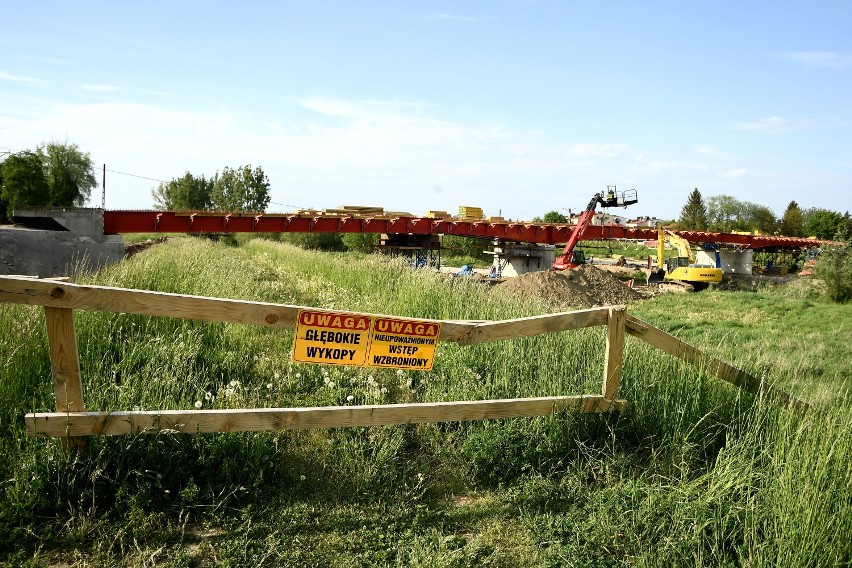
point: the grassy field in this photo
(693, 473)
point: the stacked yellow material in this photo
(358, 210)
(468, 213)
(438, 215)
(495, 219)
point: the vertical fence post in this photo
(614, 351)
(65, 365)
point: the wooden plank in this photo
(250, 420)
(165, 304)
(614, 351)
(694, 356)
(65, 363)
(548, 323)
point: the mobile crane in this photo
(571, 258)
(679, 273)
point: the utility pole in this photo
(103, 190)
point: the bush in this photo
(360, 242)
(315, 241)
(834, 267)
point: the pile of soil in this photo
(582, 287)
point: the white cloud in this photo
(831, 59)
(778, 125)
(770, 125)
(100, 88)
(733, 173)
(392, 154)
(17, 78)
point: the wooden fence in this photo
(60, 298)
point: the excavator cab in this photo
(676, 262)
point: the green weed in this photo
(694, 472)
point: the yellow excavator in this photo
(679, 273)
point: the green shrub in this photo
(360, 242)
(834, 267)
(315, 241)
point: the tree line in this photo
(234, 189)
(55, 174)
(58, 174)
(724, 213)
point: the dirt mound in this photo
(582, 287)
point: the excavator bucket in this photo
(654, 276)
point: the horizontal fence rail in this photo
(71, 421)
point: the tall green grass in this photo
(694, 472)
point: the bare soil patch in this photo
(582, 287)
(135, 248)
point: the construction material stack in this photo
(467, 213)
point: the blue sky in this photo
(518, 107)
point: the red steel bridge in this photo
(120, 222)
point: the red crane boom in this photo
(569, 257)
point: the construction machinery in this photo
(571, 258)
(679, 273)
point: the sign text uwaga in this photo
(406, 344)
(331, 339)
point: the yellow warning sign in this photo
(403, 344)
(330, 338)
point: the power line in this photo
(137, 176)
(287, 205)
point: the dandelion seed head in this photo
(350, 398)
(198, 404)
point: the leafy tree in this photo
(187, 192)
(53, 175)
(240, 189)
(761, 218)
(554, 217)
(792, 223)
(694, 214)
(724, 213)
(834, 267)
(24, 182)
(69, 172)
(823, 224)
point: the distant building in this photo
(601, 218)
(643, 222)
